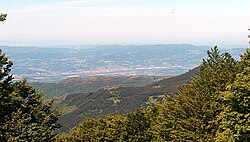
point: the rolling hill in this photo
(76, 85)
(118, 100)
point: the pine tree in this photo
(24, 115)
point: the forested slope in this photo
(213, 107)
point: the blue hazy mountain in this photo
(56, 63)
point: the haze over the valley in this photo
(98, 22)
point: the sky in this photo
(84, 22)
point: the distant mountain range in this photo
(55, 64)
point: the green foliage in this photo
(133, 127)
(137, 127)
(2, 17)
(108, 129)
(235, 117)
(190, 115)
(25, 116)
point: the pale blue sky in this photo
(79, 22)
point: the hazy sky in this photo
(79, 22)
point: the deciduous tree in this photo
(235, 117)
(191, 114)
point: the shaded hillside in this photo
(119, 100)
(98, 104)
(76, 85)
(170, 85)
